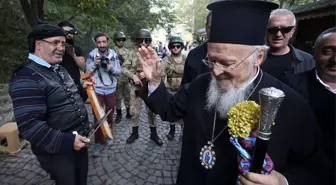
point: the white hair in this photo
(284, 12)
(254, 56)
(221, 100)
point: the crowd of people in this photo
(247, 49)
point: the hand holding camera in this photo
(71, 32)
(97, 60)
(109, 67)
(103, 61)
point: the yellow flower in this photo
(243, 118)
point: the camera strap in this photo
(101, 78)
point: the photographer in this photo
(105, 64)
(73, 61)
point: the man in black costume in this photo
(49, 110)
(235, 51)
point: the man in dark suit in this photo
(318, 86)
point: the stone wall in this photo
(6, 106)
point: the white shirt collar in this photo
(255, 77)
(324, 84)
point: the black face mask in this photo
(69, 41)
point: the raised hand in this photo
(151, 64)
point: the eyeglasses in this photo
(283, 30)
(55, 43)
(147, 41)
(211, 64)
(175, 46)
(120, 40)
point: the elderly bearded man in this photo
(48, 108)
(235, 51)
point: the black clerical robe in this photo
(294, 147)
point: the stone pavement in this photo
(140, 163)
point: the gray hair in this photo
(284, 12)
(254, 56)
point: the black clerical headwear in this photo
(43, 31)
(240, 21)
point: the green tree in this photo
(89, 16)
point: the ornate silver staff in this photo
(270, 100)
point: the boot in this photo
(155, 137)
(119, 115)
(134, 136)
(96, 150)
(128, 115)
(171, 133)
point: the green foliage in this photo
(201, 13)
(192, 13)
(13, 42)
(89, 17)
(93, 16)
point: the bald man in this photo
(318, 86)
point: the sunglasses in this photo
(147, 41)
(120, 40)
(175, 46)
(283, 30)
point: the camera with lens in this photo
(104, 61)
(72, 32)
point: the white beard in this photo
(222, 100)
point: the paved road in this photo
(140, 163)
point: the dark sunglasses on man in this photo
(175, 46)
(120, 40)
(283, 30)
(147, 41)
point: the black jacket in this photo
(300, 61)
(194, 65)
(323, 103)
(48, 108)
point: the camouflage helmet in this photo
(143, 34)
(175, 40)
(119, 35)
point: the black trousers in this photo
(67, 169)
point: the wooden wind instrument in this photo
(98, 111)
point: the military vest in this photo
(123, 55)
(136, 68)
(175, 71)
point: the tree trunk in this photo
(30, 10)
(40, 9)
(88, 42)
(281, 3)
(291, 3)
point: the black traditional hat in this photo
(43, 31)
(240, 21)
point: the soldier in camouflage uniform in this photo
(173, 67)
(132, 69)
(123, 90)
